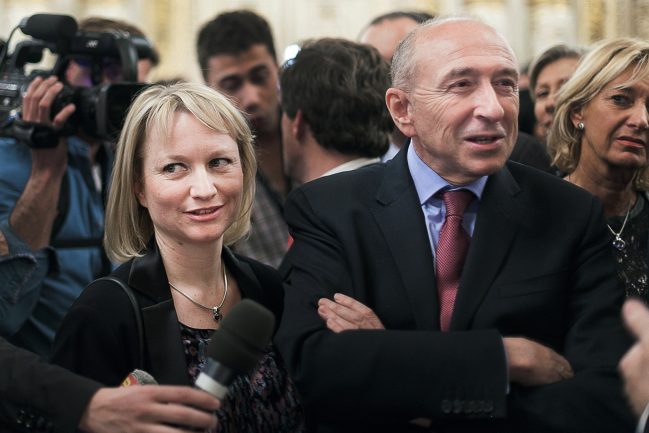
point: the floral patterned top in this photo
(631, 256)
(264, 401)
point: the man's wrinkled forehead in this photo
(455, 40)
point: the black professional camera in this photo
(100, 109)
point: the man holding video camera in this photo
(52, 203)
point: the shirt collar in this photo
(351, 165)
(428, 182)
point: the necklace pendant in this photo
(618, 243)
(216, 312)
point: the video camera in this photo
(100, 109)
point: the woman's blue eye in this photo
(219, 162)
(170, 168)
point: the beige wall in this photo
(530, 25)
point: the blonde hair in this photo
(606, 61)
(128, 224)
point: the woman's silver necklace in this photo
(216, 310)
(619, 243)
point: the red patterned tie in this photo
(451, 252)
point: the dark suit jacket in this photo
(538, 266)
(38, 397)
(531, 152)
(98, 337)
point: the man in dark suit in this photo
(520, 334)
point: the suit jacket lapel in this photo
(499, 216)
(247, 281)
(401, 220)
(164, 349)
(166, 354)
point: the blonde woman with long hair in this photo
(181, 192)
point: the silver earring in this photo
(581, 126)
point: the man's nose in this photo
(250, 97)
(488, 104)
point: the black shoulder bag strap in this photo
(63, 207)
(136, 311)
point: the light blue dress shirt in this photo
(428, 184)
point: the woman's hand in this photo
(345, 313)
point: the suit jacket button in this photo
(458, 405)
(446, 406)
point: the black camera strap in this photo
(63, 207)
(35, 135)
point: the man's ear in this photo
(299, 126)
(400, 109)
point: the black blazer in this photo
(531, 152)
(38, 397)
(538, 266)
(98, 336)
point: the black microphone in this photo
(49, 27)
(236, 347)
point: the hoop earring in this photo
(581, 126)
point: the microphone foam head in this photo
(244, 334)
(49, 27)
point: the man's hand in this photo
(33, 216)
(37, 108)
(149, 408)
(38, 100)
(531, 363)
(345, 313)
(634, 366)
